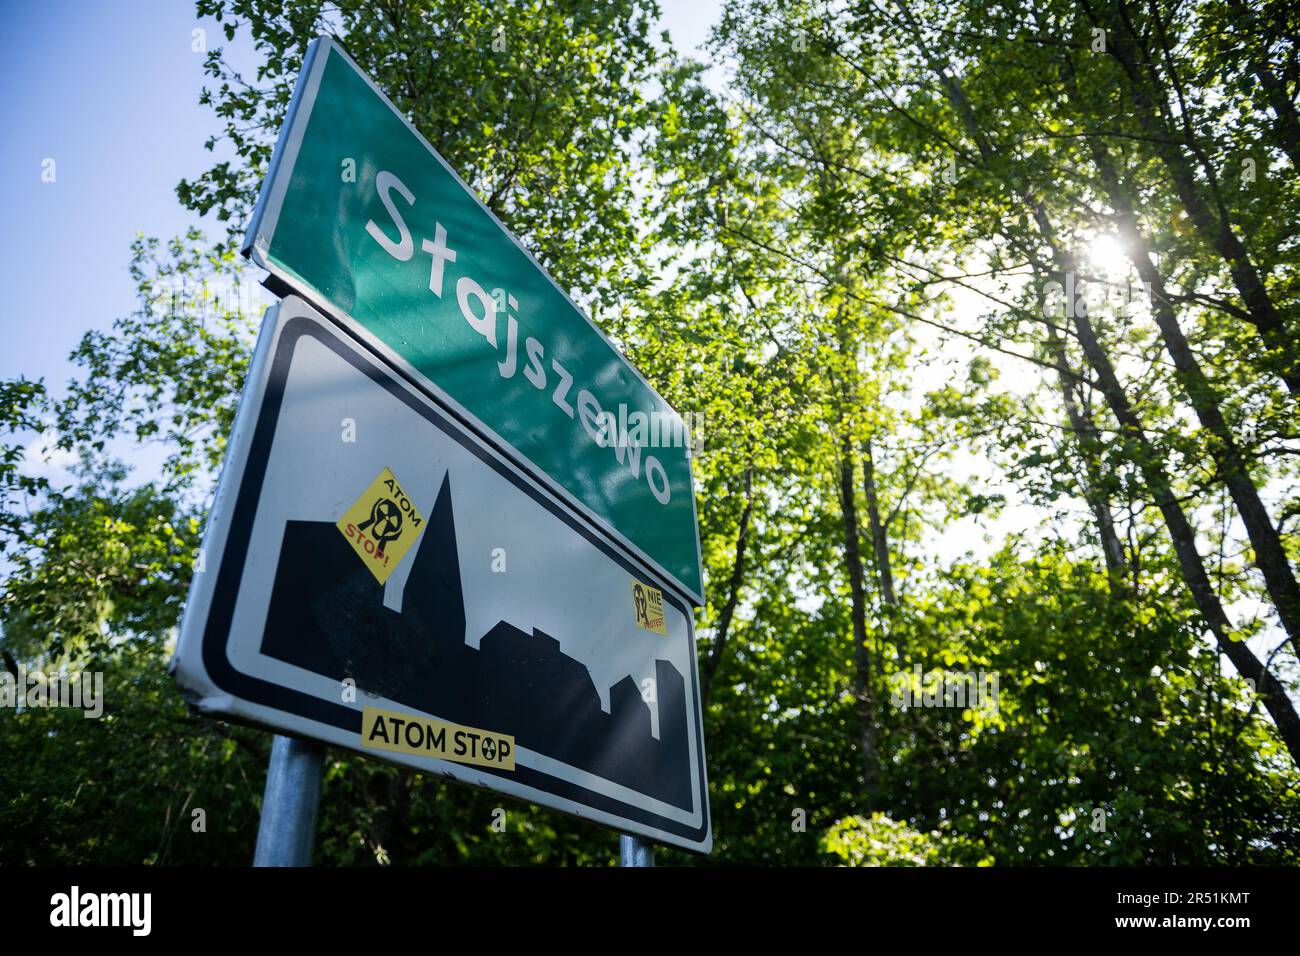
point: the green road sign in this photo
(362, 216)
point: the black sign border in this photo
(235, 550)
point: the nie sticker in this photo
(648, 606)
(382, 525)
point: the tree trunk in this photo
(1270, 689)
(879, 533)
(733, 595)
(1270, 556)
(1157, 481)
(1216, 230)
(1083, 428)
(1088, 440)
(862, 690)
(1279, 100)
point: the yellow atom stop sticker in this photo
(382, 525)
(648, 606)
(426, 737)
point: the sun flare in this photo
(1107, 255)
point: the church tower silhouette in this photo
(327, 615)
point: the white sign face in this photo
(377, 577)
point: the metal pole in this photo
(288, 827)
(635, 852)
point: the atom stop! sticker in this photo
(427, 737)
(648, 606)
(382, 525)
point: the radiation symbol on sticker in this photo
(385, 522)
(382, 525)
(648, 607)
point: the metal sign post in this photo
(635, 852)
(288, 828)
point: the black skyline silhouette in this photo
(327, 615)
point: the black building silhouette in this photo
(327, 615)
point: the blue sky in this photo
(109, 91)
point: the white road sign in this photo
(377, 577)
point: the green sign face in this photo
(363, 217)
